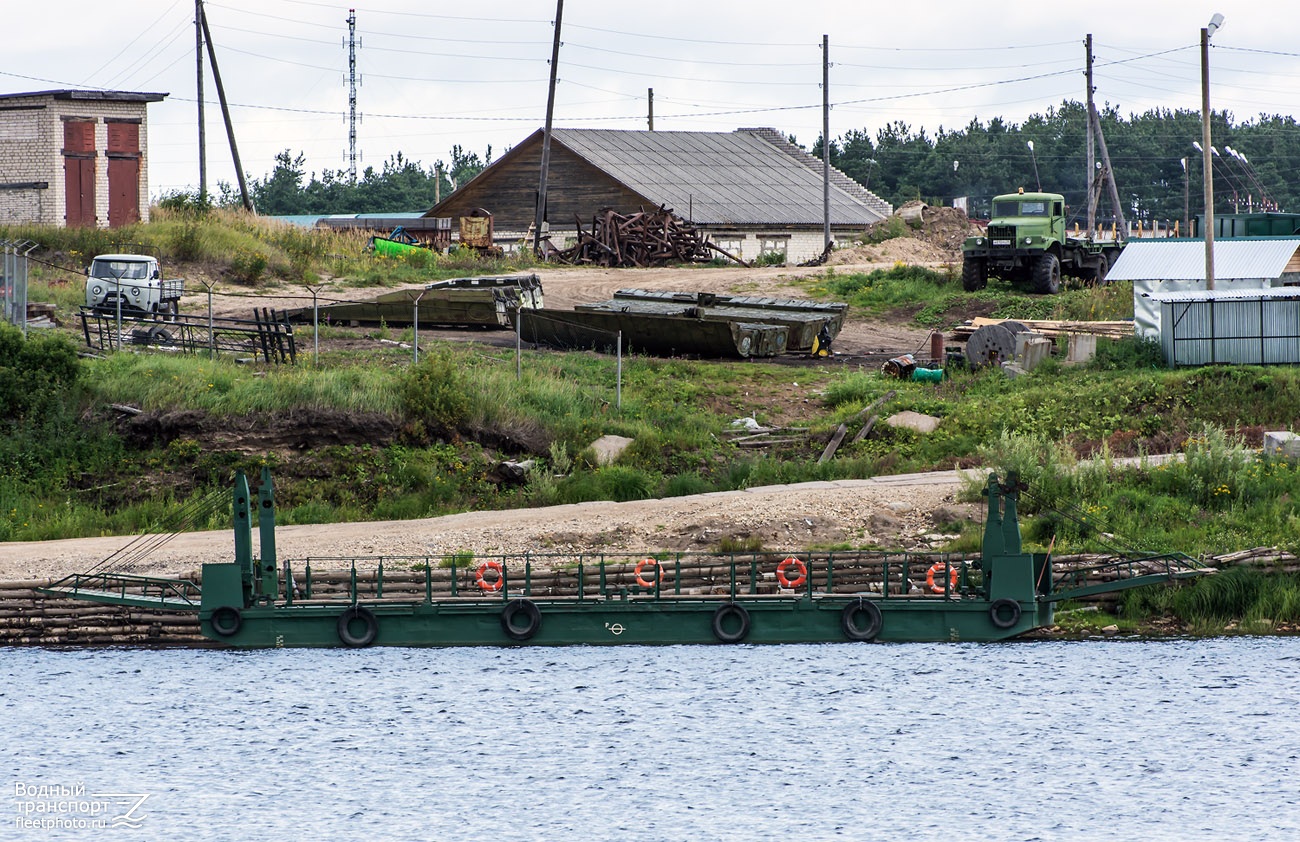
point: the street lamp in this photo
(1038, 183)
(1207, 164)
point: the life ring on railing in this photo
(786, 564)
(497, 583)
(369, 623)
(642, 580)
(518, 610)
(937, 569)
(226, 620)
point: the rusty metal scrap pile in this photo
(642, 239)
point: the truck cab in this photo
(134, 283)
(1027, 243)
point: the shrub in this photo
(434, 393)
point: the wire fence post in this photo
(415, 329)
(618, 377)
(519, 361)
(212, 333)
(315, 324)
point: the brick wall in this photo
(31, 155)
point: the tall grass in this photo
(223, 388)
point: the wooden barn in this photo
(752, 191)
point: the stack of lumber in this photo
(1049, 327)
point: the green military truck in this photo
(1026, 244)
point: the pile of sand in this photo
(935, 238)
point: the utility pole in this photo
(1207, 165)
(225, 113)
(203, 134)
(650, 99)
(826, 142)
(1091, 155)
(546, 131)
(352, 95)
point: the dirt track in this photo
(892, 512)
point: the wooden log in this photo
(834, 444)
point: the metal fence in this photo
(13, 282)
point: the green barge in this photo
(258, 601)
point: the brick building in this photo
(74, 157)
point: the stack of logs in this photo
(31, 618)
(654, 238)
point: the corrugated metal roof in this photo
(724, 178)
(1225, 294)
(1184, 260)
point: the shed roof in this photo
(90, 94)
(749, 176)
(1184, 260)
(1268, 294)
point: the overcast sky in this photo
(434, 74)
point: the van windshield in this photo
(126, 270)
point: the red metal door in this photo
(123, 174)
(79, 182)
(123, 191)
(79, 172)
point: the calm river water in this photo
(1180, 740)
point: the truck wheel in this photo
(1101, 267)
(1047, 274)
(974, 274)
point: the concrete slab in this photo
(609, 448)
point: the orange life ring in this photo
(937, 569)
(641, 579)
(495, 585)
(786, 564)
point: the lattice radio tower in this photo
(352, 94)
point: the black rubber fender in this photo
(853, 612)
(1004, 613)
(511, 616)
(367, 636)
(724, 614)
(226, 620)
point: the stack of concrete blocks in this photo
(1031, 350)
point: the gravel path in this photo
(895, 511)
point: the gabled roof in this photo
(749, 176)
(745, 177)
(1184, 260)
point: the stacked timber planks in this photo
(1049, 327)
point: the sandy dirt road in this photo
(896, 512)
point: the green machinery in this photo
(1027, 243)
(809, 597)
